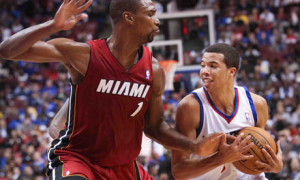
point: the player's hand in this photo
(274, 161)
(69, 13)
(230, 138)
(234, 152)
(209, 145)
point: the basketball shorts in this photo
(78, 169)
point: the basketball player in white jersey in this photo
(220, 106)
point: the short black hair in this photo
(231, 54)
(117, 7)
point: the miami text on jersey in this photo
(123, 88)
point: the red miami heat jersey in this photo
(106, 111)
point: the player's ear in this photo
(232, 71)
(127, 16)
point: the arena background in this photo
(266, 32)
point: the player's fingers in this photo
(247, 147)
(249, 156)
(271, 152)
(245, 141)
(215, 135)
(230, 139)
(238, 139)
(278, 147)
(223, 139)
(81, 16)
(218, 136)
(261, 165)
(85, 5)
(72, 1)
(268, 156)
(80, 2)
(263, 169)
(66, 1)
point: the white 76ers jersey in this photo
(212, 120)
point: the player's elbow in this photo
(2, 52)
(152, 132)
(53, 135)
(149, 132)
(177, 172)
(5, 52)
(53, 132)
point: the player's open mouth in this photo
(157, 31)
(207, 80)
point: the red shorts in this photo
(72, 166)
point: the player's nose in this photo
(204, 70)
(157, 21)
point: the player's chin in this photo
(150, 38)
(152, 35)
(207, 85)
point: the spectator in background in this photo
(290, 37)
(267, 16)
(295, 118)
(205, 4)
(99, 25)
(293, 167)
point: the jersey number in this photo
(137, 109)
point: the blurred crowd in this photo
(266, 32)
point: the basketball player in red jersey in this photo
(116, 92)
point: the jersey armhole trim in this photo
(251, 105)
(198, 130)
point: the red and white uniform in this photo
(106, 111)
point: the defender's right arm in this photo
(27, 45)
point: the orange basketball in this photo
(261, 139)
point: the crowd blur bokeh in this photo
(266, 32)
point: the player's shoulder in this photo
(259, 101)
(261, 107)
(188, 113)
(189, 102)
(156, 67)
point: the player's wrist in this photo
(194, 147)
(53, 27)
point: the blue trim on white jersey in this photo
(226, 117)
(198, 130)
(251, 105)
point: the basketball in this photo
(261, 139)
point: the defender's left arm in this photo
(275, 163)
(155, 126)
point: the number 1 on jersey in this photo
(138, 109)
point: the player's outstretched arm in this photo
(59, 120)
(26, 44)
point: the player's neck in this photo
(224, 99)
(124, 40)
(124, 51)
